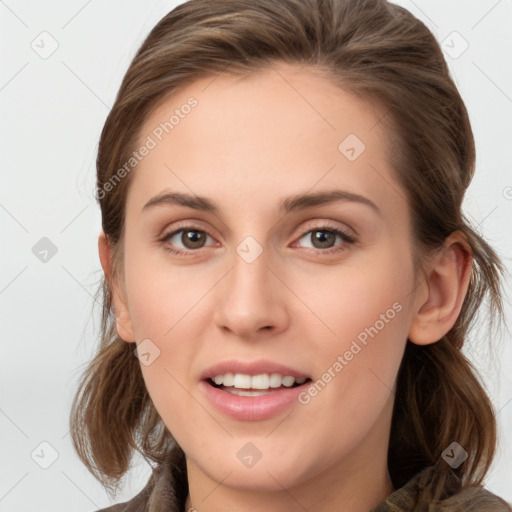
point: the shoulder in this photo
(418, 495)
(475, 499)
(166, 490)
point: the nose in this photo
(251, 300)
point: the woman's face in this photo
(296, 261)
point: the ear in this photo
(440, 296)
(123, 321)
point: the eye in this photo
(190, 238)
(323, 239)
(187, 239)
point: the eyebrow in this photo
(289, 204)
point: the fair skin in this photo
(246, 146)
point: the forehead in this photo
(286, 127)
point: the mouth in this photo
(254, 390)
(246, 385)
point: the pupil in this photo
(192, 237)
(324, 237)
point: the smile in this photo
(241, 381)
(244, 400)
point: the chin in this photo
(269, 473)
(262, 479)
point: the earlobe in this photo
(441, 295)
(123, 321)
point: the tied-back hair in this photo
(379, 52)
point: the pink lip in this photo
(250, 368)
(252, 408)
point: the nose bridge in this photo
(248, 285)
(249, 297)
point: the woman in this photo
(289, 278)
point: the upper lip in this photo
(256, 367)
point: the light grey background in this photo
(52, 113)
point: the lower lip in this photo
(252, 408)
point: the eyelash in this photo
(331, 250)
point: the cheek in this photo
(161, 296)
(162, 310)
(366, 298)
(365, 313)
(167, 307)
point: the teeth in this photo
(288, 381)
(259, 381)
(275, 380)
(242, 381)
(262, 381)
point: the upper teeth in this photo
(262, 381)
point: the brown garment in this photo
(167, 490)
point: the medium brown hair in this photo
(373, 49)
